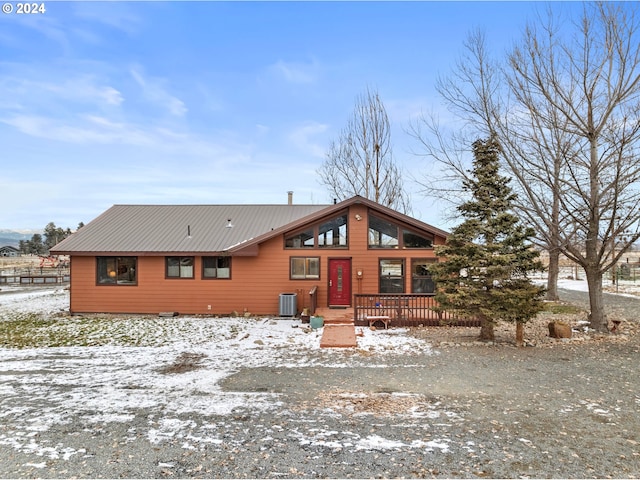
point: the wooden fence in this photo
(34, 279)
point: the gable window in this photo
(179, 267)
(216, 267)
(305, 268)
(382, 233)
(392, 275)
(333, 233)
(386, 234)
(117, 270)
(421, 279)
(300, 240)
(414, 240)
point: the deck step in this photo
(338, 321)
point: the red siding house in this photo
(220, 259)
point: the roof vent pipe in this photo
(290, 197)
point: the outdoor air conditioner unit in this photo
(288, 304)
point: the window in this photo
(333, 233)
(413, 240)
(300, 240)
(392, 275)
(382, 234)
(421, 280)
(305, 267)
(179, 267)
(385, 234)
(216, 267)
(117, 270)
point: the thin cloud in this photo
(91, 130)
(304, 135)
(118, 16)
(22, 89)
(155, 92)
(292, 72)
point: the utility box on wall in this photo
(288, 304)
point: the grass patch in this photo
(30, 330)
(185, 362)
(559, 308)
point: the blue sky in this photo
(106, 103)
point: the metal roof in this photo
(192, 229)
(179, 228)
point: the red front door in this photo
(339, 282)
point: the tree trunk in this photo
(486, 329)
(519, 334)
(552, 275)
(597, 318)
(592, 267)
(554, 246)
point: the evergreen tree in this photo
(35, 245)
(488, 256)
(54, 235)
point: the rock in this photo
(559, 330)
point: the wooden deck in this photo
(346, 316)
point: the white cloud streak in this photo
(154, 91)
(295, 72)
(303, 138)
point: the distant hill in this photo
(13, 237)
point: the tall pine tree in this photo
(488, 256)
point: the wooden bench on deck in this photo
(372, 319)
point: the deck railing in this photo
(313, 300)
(405, 310)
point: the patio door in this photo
(339, 282)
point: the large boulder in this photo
(559, 330)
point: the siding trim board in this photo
(261, 265)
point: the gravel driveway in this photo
(467, 412)
(625, 305)
(568, 410)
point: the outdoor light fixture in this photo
(358, 217)
(229, 224)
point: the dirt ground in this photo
(562, 409)
(453, 408)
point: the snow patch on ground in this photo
(109, 383)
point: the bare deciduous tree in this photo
(587, 89)
(476, 93)
(567, 113)
(360, 161)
